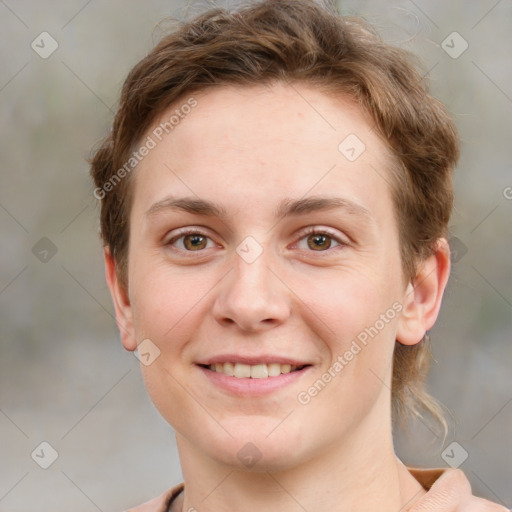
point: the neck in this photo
(354, 475)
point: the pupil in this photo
(320, 242)
(195, 240)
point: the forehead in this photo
(247, 144)
(277, 114)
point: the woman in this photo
(275, 195)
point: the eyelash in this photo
(304, 234)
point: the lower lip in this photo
(252, 387)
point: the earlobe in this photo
(122, 306)
(422, 299)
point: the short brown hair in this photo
(301, 41)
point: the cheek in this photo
(359, 346)
(163, 301)
(166, 310)
(348, 302)
(357, 330)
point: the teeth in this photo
(227, 368)
(241, 370)
(255, 371)
(286, 368)
(274, 369)
(259, 371)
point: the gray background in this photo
(65, 378)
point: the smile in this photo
(253, 380)
(252, 371)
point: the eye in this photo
(316, 239)
(190, 240)
(320, 240)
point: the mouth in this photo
(253, 371)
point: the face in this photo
(258, 240)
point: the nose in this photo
(252, 296)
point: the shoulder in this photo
(448, 490)
(160, 503)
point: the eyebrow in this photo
(287, 207)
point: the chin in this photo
(256, 451)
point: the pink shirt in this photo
(426, 477)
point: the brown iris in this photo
(319, 241)
(196, 241)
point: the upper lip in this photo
(252, 360)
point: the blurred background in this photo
(65, 379)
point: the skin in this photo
(246, 150)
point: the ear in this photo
(122, 306)
(422, 298)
